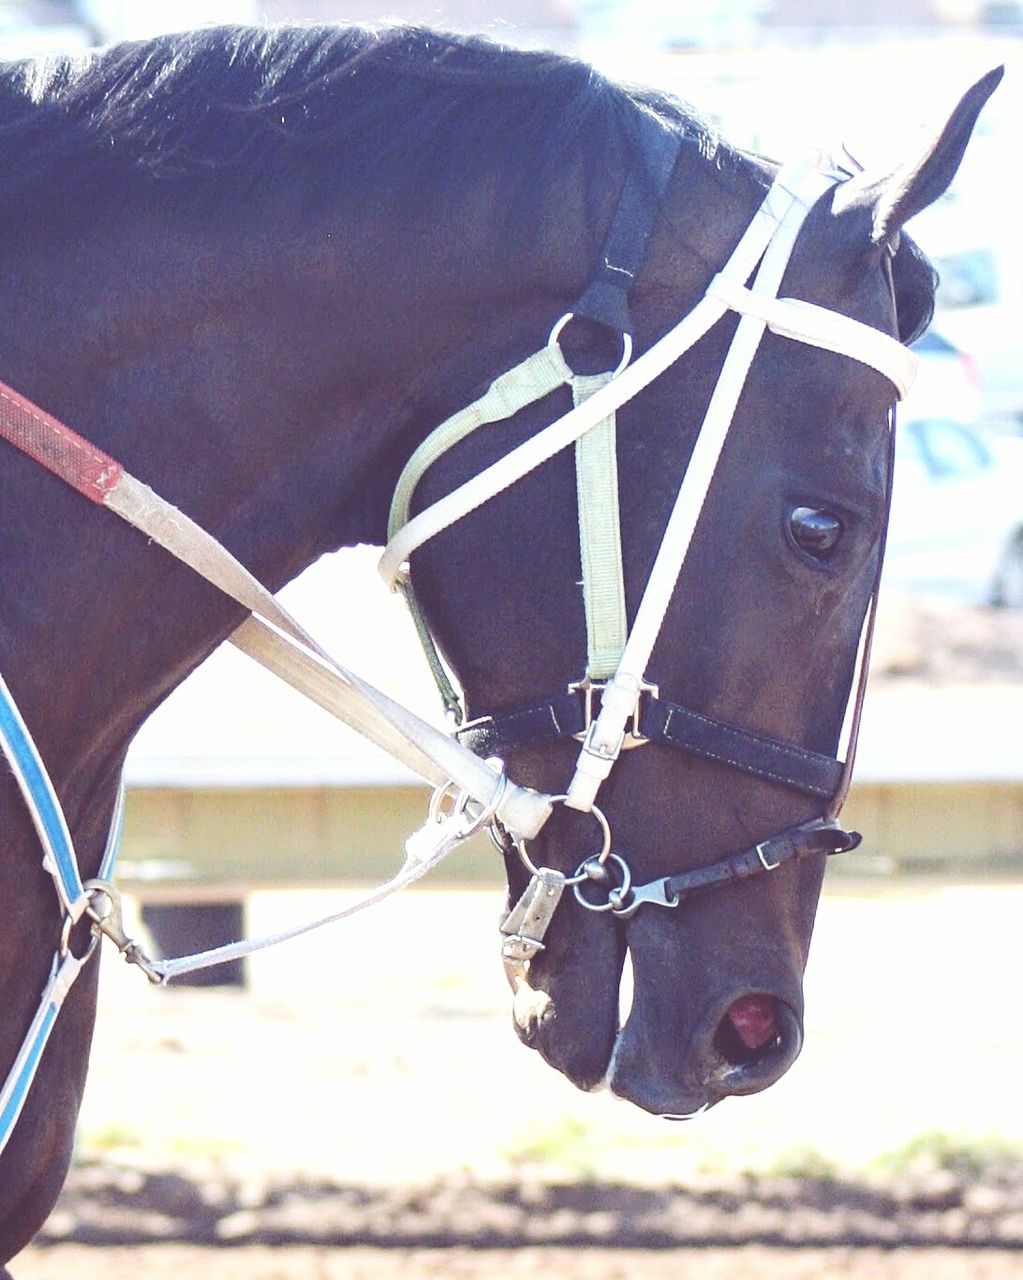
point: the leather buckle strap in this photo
(606, 297)
(820, 835)
(573, 713)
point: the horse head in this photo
(761, 635)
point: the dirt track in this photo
(172, 1261)
(413, 1118)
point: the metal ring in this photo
(559, 327)
(602, 856)
(623, 888)
(65, 940)
(460, 800)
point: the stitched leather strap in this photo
(798, 842)
(564, 716)
(819, 835)
(784, 762)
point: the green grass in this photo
(112, 1137)
(801, 1162)
(564, 1144)
(965, 1154)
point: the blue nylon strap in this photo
(43, 805)
(16, 1087)
(60, 861)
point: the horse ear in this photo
(896, 194)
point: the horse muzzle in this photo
(729, 1053)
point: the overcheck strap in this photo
(606, 298)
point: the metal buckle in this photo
(765, 862)
(631, 736)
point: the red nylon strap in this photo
(57, 447)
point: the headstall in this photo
(615, 705)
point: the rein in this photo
(473, 792)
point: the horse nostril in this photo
(755, 1043)
(751, 1030)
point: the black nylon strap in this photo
(563, 716)
(605, 299)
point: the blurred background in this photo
(248, 810)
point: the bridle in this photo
(612, 707)
(615, 705)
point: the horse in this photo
(257, 267)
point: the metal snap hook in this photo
(105, 909)
(459, 801)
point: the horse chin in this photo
(568, 1010)
(576, 1047)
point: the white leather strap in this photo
(276, 640)
(15, 1090)
(584, 417)
(604, 742)
(818, 327)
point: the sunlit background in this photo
(259, 801)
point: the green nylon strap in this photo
(532, 380)
(600, 539)
(536, 377)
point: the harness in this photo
(611, 708)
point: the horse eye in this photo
(814, 531)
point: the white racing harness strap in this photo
(769, 240)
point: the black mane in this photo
(225, 110)
(915, 282)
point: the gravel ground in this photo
(940, 643)
(251, 1263)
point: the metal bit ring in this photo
(602, 856)
(615, 896)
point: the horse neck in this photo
(268, 382)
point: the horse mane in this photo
(223, 111)
(915, 282)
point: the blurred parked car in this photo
(946, 384)
(980, 311)
(956, 526)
